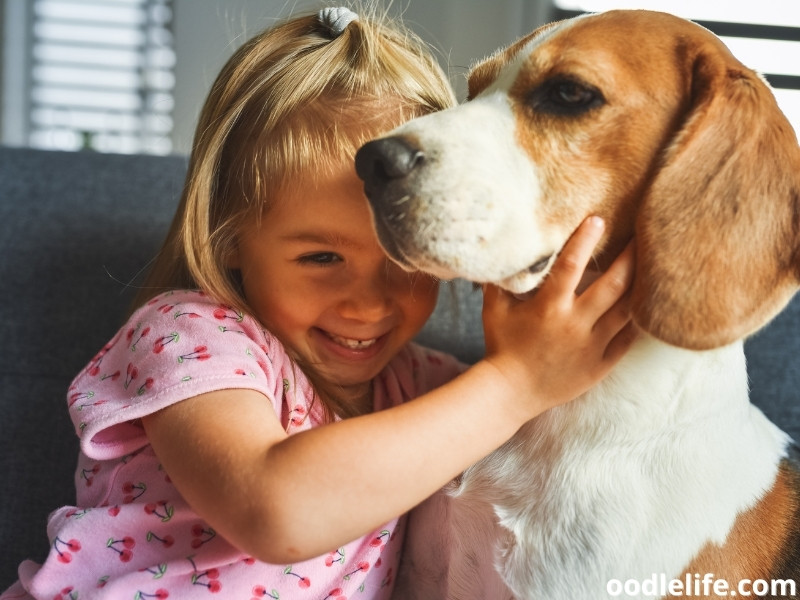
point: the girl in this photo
(249, 432)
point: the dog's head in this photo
(640, 117)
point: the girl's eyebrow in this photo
(325, 238)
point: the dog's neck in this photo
(681, 439)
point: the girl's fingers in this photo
(611, 286)
(567, 270)
(620, 343)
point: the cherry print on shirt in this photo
(90, 404)
(244, 373)
(201, 535)
(303, 582)
(93, 368)
(79, 396)
(88, 474)
(163, 509)
(167, 540)
(226, 312)
(166, 308)
(148, 384)
(132, 373)
(191, 315)
(133, 491)
(65, 549)
(67, 593)
(160, 594)
(113, 377)
(298, 415)
(260, 592)
(74, 513)
(164, 341)
(123, 547)
(209, 579)
(226, 329)
(199, 353)
(335, 557)
(363, 566)
(379, 540)
(157, 572)
(139, 338)
(336, 594)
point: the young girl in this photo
(263, 418)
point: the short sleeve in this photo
(179, 345)
(415, 371)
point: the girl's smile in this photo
(350, 348)
(314, 274)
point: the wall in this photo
(208, 31)
(14, 72)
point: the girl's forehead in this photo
(328, 189)
(335, 214)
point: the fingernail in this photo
(597, 222)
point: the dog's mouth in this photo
(469, 263)
(540, 265)
(528, 279)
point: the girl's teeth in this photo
(353, 344)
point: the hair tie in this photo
(336, 19)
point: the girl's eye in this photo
(319, 258)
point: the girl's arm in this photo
(288, 498)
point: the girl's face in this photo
(315, 276)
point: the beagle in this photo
(664, 471)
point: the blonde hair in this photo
(292, 101)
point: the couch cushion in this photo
(75, 231)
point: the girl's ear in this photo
(718, 232)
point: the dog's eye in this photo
(567, 97)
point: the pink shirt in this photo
(131, 535)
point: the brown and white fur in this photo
(665, 467)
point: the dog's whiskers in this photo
(401, 201)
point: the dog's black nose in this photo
(380, 161)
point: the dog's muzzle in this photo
(457, 202)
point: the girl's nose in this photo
(369, 298)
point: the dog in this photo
(664, 473)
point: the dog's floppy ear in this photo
(717, 234)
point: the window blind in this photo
(101, 75)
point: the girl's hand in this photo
(557, 344)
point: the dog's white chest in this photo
(631, 480)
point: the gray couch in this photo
(76, 231)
